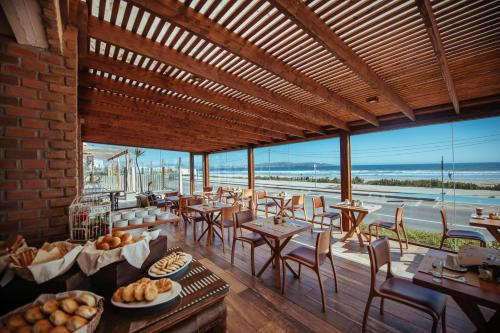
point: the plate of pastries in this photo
(146, 293)
(170, 264)
(115, 240)
(56, 315)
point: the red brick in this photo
(34, 164)
(8, 121)
(60, 202)
(20, 174)
(51, 96)
(9, 79)
(8, 185)
(21, 154)
(33, 143)
(57, 232)
(62, 182)
(62, 89)
(19, 71)
(53, 59)
(70, 81)
(58, 221)
(70, 191)
(51, 134)
(61, 107)
(35, 224)
(52, 212)
(61, 144)
(8, 164)
(34, 104)
(51, 78)
(52, 174)
(21, 112)
(58, 154)
(8, 59)
(70, 100)
(22, 215)
(22, 51)
(20, 92)
(61, 164)
(9, 100)
(34, 65)
(60, 70)
(32, 204)
(70, 136)
(9, 227)
(34, 184)
(71, 172)
(54, 115)
(15, 195)
(34, 123)
(34, 84)
(58, 125)
(20, 132)
(71, 154)
(52, 193)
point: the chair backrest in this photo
(183, 203)
(260, 195)
(323, 242)
(194, 201)
(444, 219)
(380, 255)
(171, 194)
(227, 213)
(298, 200)
(318, 202)
(208, 189)
(242, 217)
(398, 218)
(218, 194)
(246, 193)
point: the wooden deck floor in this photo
(256, 305)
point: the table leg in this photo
(351, 230)
(494, 231)
(277, 256)
(472, 311)
(359, 232)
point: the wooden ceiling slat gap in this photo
(238, 21)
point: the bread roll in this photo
(151, 292)
(50, 306)
(59, 329)
(86, 299)
(118, 295)
(139, 292)
(163, 285)
(16, 320)
(126, 237)
(59, 317)
(126, 243)
(75, 323)
(23, 329)
(118, 233)
(115, 242)
(107, 239)
(86, 311)
(69, 305)
(128, 293)
(33, 314)
(42, 326)
(99, 240)
(102, 246)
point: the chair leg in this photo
(322, 218)
(435, 321)
(370, 233)
(194, 231)
(300, 269)
(442, 242)
(222, 240)
(305, 213)
(367, 310)
(283, 278)
(334, 274)
(252, 259)
(482, 244)
(381, 305)
(443, 320)
(400, 242)
(233, 247)
(406, 236)
(323, 300)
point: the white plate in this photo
(162, 298)
(188, 261)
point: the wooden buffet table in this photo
(281, 234)
(355, 221)
(490, 224)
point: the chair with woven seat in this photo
(319, 203)
(262, 201)
(253, 239)
(226, 221)
(392, 226)
(297, 203)
(312, 258)
(459, 233)
(189, 216)
(401, 290)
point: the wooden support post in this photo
(345, 173)
(206, 170)
(191, 173)
(251, 168)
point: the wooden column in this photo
(251, 168)
(345, 173)
(206, 170)
(191, 173)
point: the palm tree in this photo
(138, 153)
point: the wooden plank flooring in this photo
(256, 305)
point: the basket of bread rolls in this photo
(117, 239)
(45, 263)
(72, 311)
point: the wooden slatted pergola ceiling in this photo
(213, 75)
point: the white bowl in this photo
(121, 223)
(151, 207)
(163, 216)
(135, 221)
(141, 213)
(128, 215)
(155, 211)
(149, 218)
(136, 209)
(154, 233)
(116, 217)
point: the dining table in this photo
(492, 225)
(466, 289)
(356, 215)
(281, 202)
(277, 237)
(209, 212)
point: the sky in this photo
(475, 141)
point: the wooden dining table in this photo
(356, 220)
(281, 202)
(467, 296)
(277, 237)
(209, 212)
(492, 225)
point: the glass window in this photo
(229, 169)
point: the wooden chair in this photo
(189, 216)
(459, 233)
(319, 203)
(297, 203)
(246, 198)
(174, 206)
(392, 226)
(207, 192)
(253, 239)
(226, 221)
(401, 290)
(259, 196)
(312, 258)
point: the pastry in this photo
(126, 238)
(50, 306)
(144, 280)
(118, 295)
(16, 320)
(118, 233)
(115, 242)
(169, 264)
(150, 292)
(86, 311)
(23, 329)
(59, 317)
(86, 299)
(107, 239)
(163, 285)
(103, 246)
(75, 323)
(128, 293)
(139, 292)
(59, 329)
(69, 305)
(42, 326)
(33, 314)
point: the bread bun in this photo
(86, 299)
(75, 323)
(69, 305)
(139, 292)
(23, 329)
(42, 326)
(128, 293)
(102, 246)
(107, 239)
(118, 233)
(115, 242)
(118, 295)
(59, 329)
(59, 317)
(16, 320)
(33, 314)
(50, 306)
(99, 240)
(126, 243)
(86, 311)
(126, 237)
(151, 292)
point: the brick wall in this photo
(38, 139)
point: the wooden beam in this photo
(186, 17)
(425, 9)
(191, 173)
(25, 19)
(53, 23)
(251, 167)
(288, 123)
(117, 36)
(345, 174)
(312, 24)
(206, 170)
